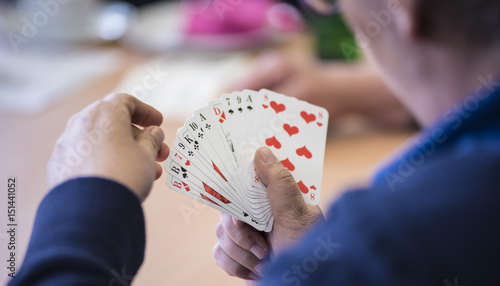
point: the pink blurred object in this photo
(237, 24)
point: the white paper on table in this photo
(179, 84)
(32, 81)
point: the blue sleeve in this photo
(441, 228)
(88, 231)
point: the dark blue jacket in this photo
(432, 217)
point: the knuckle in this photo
(72, 120)
(282, 174)
(239, 237)
(219, 231)
(217, 253)
(245, 258)
(239, 271)
(118, 96)
(59, 142)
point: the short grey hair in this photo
(473, 22)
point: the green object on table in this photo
(334, 40)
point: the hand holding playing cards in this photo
(102, 141)
(241, 249)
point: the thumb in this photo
(151, 139)
(284, 194)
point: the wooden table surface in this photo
(179, 246)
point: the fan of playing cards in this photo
(212, 157)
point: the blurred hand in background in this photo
(342, 88)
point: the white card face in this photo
(212, 157)
(302, 138)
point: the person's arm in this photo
(342, 88)
(89, 230)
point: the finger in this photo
(136, 130)
(237, 222)
(245, 236)
(159, 170)
(140, 113)
(151, 138)
(284, 194)
(230, 266)
(252, 282)
(163, 153)
(164, 149)
(238, 254)
(271, 68)
(292, 215)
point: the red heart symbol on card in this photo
(303, 187)
(320, 124)
(291, 130)
(304, 152)
(273, 142)
(277, 107)
(308, 117)
(265, 106)
(188, 163)
(288, 165)
(313, 187)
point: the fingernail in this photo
(235, 221)
(253, 276)
(156, 132)
(267, 156)
(258, 251)
(259, 269)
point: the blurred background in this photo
(201, 44)
(57, 56)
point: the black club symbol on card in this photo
(184, 173)
(190, 153)
(196, 145)
(208, 126)
(200, 135)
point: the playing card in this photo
(212, 157)
(298, 139)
